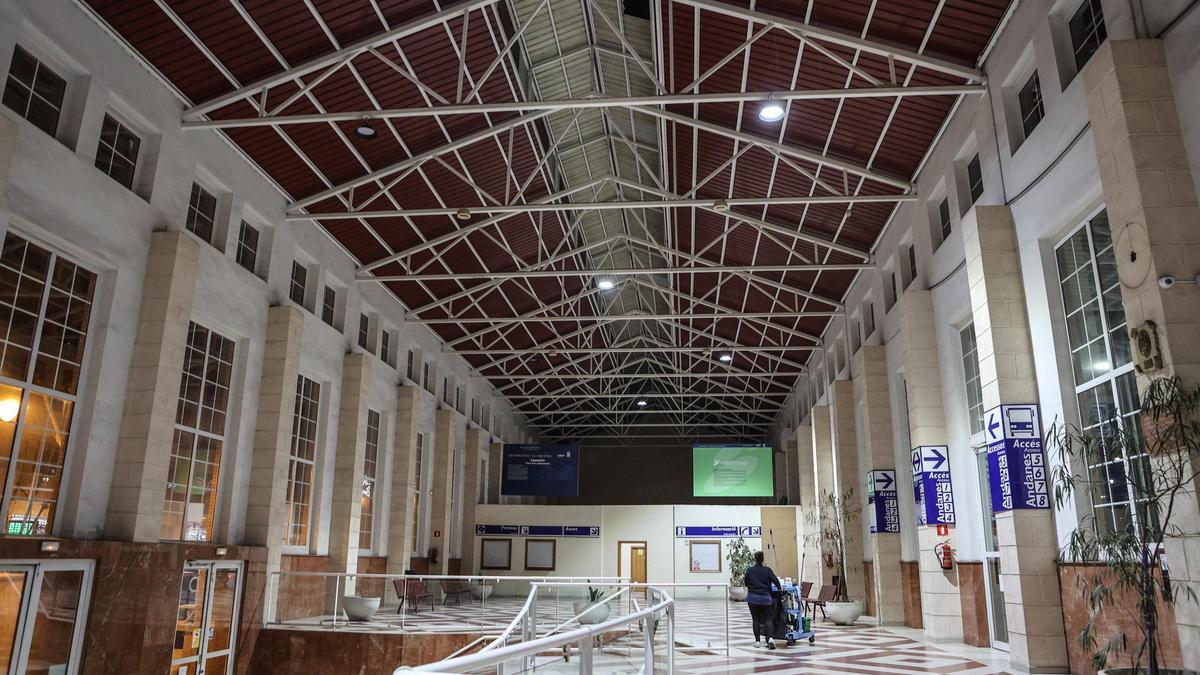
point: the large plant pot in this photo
(590, 612)
(738, 593)
(360, 607)
(844, 613)
(482, 591)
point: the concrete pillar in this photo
(792, 479)
(1151, 199)
(473, 453)
(495, 450)
(823, 474)
(348, 459)
(874, 404)
(404, 459)
(850, 482)
(941, 611)
(810, 543)
(266, 510)
(1026, 538)
(135, 506)
(441, 511)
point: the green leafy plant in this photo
(594, 595)
(740, 558)
(836, 515)
(1157, 452)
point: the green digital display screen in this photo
(732, 471)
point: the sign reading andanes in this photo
(1016, 462)
(932, 489)
(537, 531)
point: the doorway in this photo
(206, 623)
(631, 562)
(998, 621)
(43, 611)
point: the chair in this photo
(412, 589)
(805, 587)
(823, 596)
(454, 587)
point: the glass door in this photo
(43, 610)
(207, 618)
(991, 558)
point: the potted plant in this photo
(591, 611)
(1122, 569)
(836, 514)
(740, 558)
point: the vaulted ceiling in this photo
(580, 196)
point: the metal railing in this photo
(522, 656)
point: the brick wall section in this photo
(135, 504)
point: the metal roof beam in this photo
(625, 272)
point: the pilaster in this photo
(441, 507)
(792, 475)
(810, 544)
(850, 484)
(476, 447)
(823, 473)
(349, 455)
(404, 460)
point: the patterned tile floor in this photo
(700, 631)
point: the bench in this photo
(412, 589)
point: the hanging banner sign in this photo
(537, 531)
(1016, 461)
(932, 490)
(882, 504)
(540, 470)
(689, 531)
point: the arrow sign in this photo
(993, 425)
(888, 478)
(935, 457)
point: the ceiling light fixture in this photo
(9, 409)
(605, 284)
(642, 403)
(463, 214)
(365, 130)
(720, 206)
(725, 358)
(771, 111)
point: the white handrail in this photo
(533, 647)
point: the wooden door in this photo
(637, 564)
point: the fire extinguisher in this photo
(945, 555)
(829, 560)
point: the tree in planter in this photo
(1159, 458)
(740, 558)
(837, 513)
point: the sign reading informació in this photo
(540, 470)
(931, 485)
(732, 471)
(1016, 462)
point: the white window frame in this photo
(37, 568)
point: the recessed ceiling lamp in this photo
(726, 357)
(642, 403)
(463, 214)
(605, 284)
(365, 130)
(720, 206)
(771, 111)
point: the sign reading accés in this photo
(1016, 462)
(882, 504)
(932, 489)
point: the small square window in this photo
(364, 332)
(1087, 31)
(247, 247)
(299, 284)
(34, 91)
(974, 180)
(117, 154)
(1030, 100)
(329, 306)
(202, 213)
(944, 222)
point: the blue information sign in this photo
(541, 470)
(537, 531)
(931, 485)
(1016, 462)
(689, 531)
(882, 505)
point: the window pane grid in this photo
(417, 486)
(302, 461)
(366, 522)
(1087, 31)
(34, 91)
(970, 352)
(944, 218)
(116, 156)
(202, 212)
(299, 283)
(247, 247)
(975, 179)
(1030, 99)
(328, 305)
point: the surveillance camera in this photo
(1166, 281)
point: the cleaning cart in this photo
(798, 626)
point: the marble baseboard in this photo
(910, 576)
(300, 652)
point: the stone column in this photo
(135, 506)
(941, 610)
(349, 455)
(404, 459)
(495, 450)
(823, 473)
(266, 510)
(810, 544)
(441, 513)
(872, 394)
(1150, 193)
(792, 479)
(848, 478)
(476, 448)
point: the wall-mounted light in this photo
(9, 409)
(49, 546)
(221, 551)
